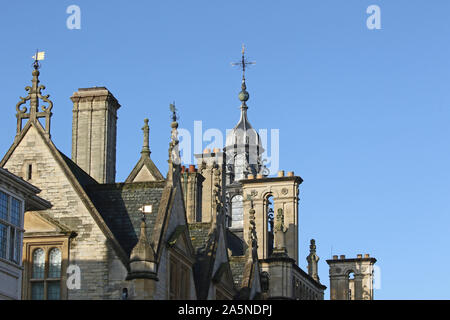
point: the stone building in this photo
(221, 229)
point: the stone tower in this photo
(211, 165)
(342, 286)
(94, 129)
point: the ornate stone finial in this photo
(34, 94)
(146, 130)
(313, 260)
(174, 154)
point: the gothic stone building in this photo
(222, 229)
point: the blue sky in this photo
(363, 114)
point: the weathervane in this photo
(37, 57)
(173, 109)
(243, 63)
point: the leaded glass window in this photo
(3, 206)
(37, 290)
(3, 240)
(45, 277)
(10, 227)
(38, 264)
(53, 290)
(15, 212)
(237, 211)
(54, 270)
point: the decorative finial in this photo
(174, 155)
(313, 260)
(312, 246)
(34, 94)
(243, 95)
(146, 130)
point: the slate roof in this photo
(119, 205)
(237, 264)
(199, 234)
(235, 244)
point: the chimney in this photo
(94, 128)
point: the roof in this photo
(244, 134)
(119, 205)
(237, 264)
(235, 244)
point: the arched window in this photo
(351, 286)
(38, 271)
(38, 264)
(237, 212)
(54, 270)
(45, 280)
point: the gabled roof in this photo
(146, 168)
(77, 178)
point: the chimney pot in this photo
(342, 256)
(335, 257)
(281, 173)
(290, 174)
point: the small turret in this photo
(143, 267)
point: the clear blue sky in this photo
(363, 114)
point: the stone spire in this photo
(313, 260)
(145, 146)
(34, 94)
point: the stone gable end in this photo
(89, 249)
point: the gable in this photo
(144, 175)
(145, 170)
(35, 222)
(60, 183)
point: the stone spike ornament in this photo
(313, 260)
(34, 95)
(146, 130)
(174, 154)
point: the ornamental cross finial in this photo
(243, 63)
